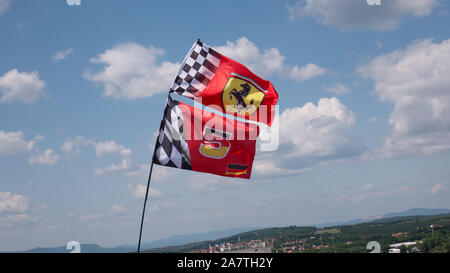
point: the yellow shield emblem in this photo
(241, 96)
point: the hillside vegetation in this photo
(431, 234)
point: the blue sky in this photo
(364, 115)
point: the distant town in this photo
(404, 232)
(252, 246)
(296, 246)
(410, 234)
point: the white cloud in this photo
(310, 135)
(131, 71)
(357, 14)
(4, 6)
(306, 72)
(125, 164)
(21, 86)
(73, 2)
(316, 130)
(13, 203)
(14, 143)
(315, 134)
(48, 158)
(68, 147)
(416, 81)
(73, 145)
(61, 55)
(268, 62)
(15, 219)
(265, 168)
(13, 210)
(264, 63)
(139, 190)
(110, 147)
(436, 189)
(338, 89)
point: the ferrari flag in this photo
(201, 141)
(224, 84)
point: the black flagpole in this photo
(145, 203)
(148, 187)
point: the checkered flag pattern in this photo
(171, 146)
(196, 71)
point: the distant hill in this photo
(85, 248)
(179, 240)
(342, 238)
(410, 212)
(417, 211)
(190, 238)
(173, 240)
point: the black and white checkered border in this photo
(196, 71)
(171, 146)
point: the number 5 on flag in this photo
(217, 148)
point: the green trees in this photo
(348, 238)
(438, 243)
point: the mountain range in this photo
(214, 235)
(410, 212)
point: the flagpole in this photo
(146, 191)
(145, 202)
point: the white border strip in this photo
(250, 80)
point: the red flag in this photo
(202, 141)
(225, 85)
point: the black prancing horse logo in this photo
(240, 95)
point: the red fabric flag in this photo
(202, 141)
(226, 85)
